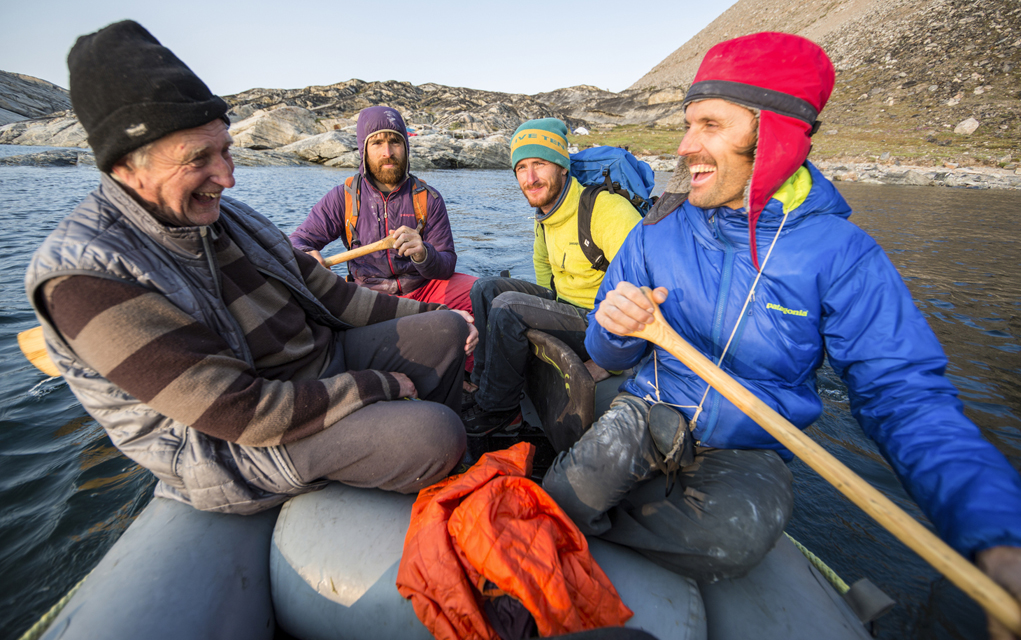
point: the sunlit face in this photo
(386, 158)
(541, 181)
(719, 132)
(184, 175)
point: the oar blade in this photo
(33, 345)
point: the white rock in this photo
(63, 131)
(967, 127)
(323, 147)
(666, 95)
(269, 129)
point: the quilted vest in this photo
(110, 235)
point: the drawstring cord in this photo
(751, 295)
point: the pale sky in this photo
(518, 47)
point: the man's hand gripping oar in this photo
(630, 311)
(388, 242)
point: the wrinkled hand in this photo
(408, 389)
(1003, 565)
(473, 333)
(408, 243)
(318, 256)
(626, 309)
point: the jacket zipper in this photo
(726, 282)
(386, 228)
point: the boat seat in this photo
(177, 573)
(565, 397)
(334, 561)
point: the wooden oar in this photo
(993, 598)
(34, 347)
(379, 245)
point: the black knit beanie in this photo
(129, 90)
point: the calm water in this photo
(66, 494)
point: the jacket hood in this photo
(375, 119)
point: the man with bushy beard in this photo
(380, 201)
(565, 280)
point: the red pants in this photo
(453, 293)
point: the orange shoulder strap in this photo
(352, 194)
(419, 196)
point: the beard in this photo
(727, 186)
(391, 175)
(553, 189)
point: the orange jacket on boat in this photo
(493, 523)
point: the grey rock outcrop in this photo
(253, 158)
(444, 152)
(596, 106)
(272, 128)
(334, 149)
(60, 130)
(24, 97)
(431, 104)
(57, 158)
(874, 173)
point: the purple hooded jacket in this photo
(378, 216)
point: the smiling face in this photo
(386, 159)
(541, 181)
(184, 173)
(716, 150)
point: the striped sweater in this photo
(141, 342)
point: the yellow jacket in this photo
(557, 255)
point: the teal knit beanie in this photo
(545, 138)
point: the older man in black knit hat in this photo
(238, 370)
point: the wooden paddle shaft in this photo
(379, 245)
(993, 598)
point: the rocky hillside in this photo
(23, 97)
(455, 108)
(923, 80)
(919, 82)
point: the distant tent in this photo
(581, 131)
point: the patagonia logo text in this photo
(786, 311)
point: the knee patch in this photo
(509, 299)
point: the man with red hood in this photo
(759, 269)
(380, 201)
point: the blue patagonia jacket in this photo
(828, 289)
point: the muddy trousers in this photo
(505, 309)
(723, 514)
(401, 445)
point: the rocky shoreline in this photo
(298, 155)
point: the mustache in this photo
(693, 160)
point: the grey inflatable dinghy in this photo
(324, 565)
